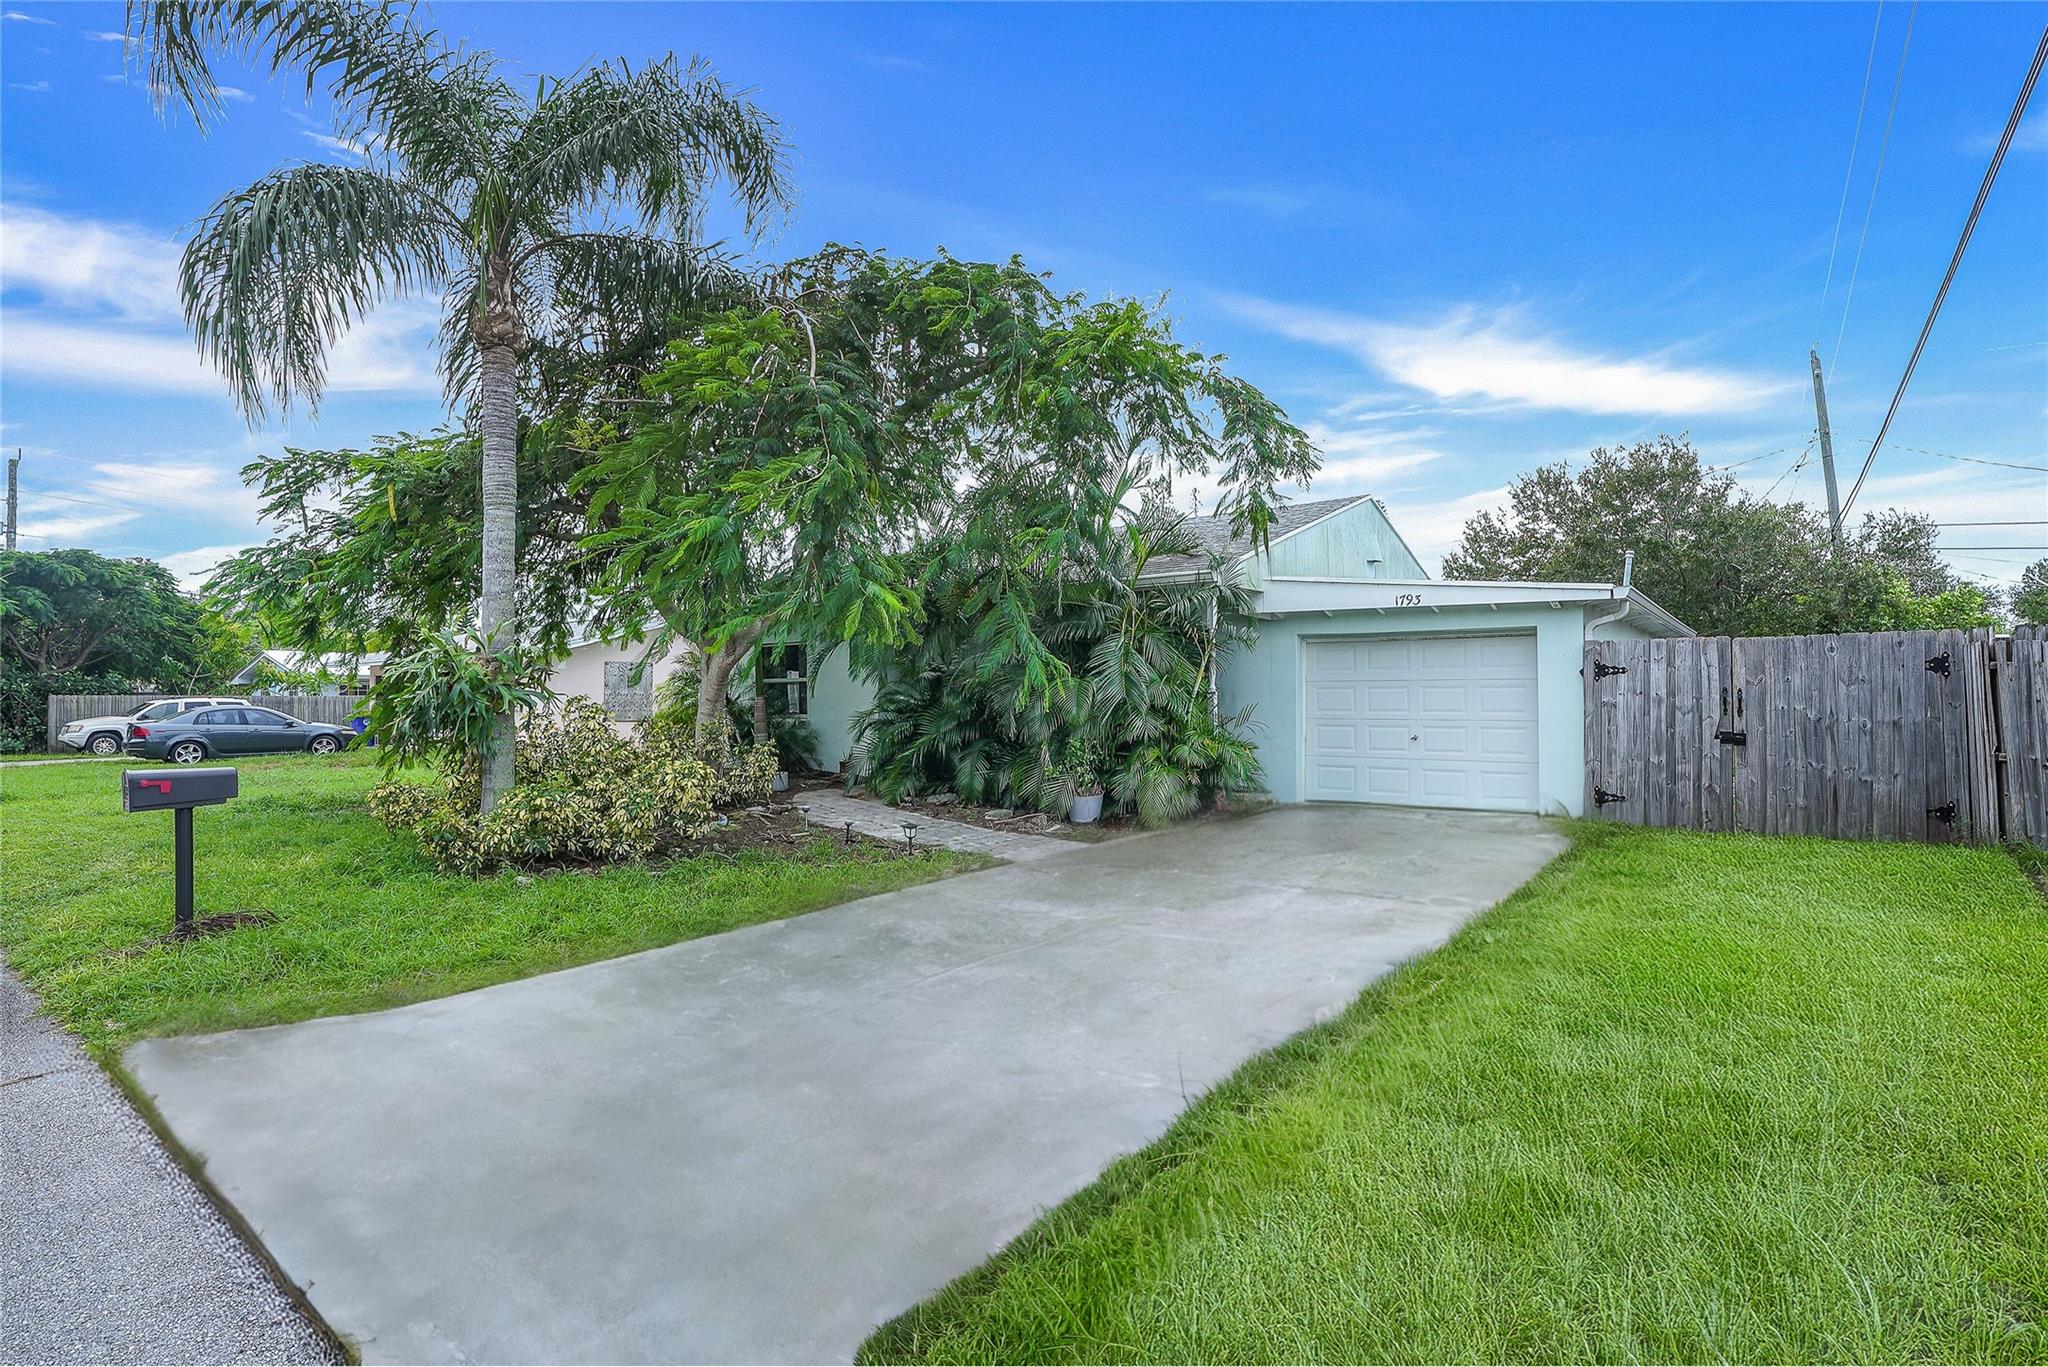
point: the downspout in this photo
(1628, 574)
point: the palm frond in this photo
(278, 271)
(655, 138)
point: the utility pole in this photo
(13, 494)
(1827, 450)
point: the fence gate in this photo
(1908, 735)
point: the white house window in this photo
(785, 678)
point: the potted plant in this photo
(1083, 769)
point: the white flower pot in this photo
(1087, 807)
(782, 780)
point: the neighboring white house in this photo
(333, 670)
(1369, 681)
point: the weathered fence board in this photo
(334, 710)
(2021, 706)
(1915, 735)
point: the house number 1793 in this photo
(1407, 600)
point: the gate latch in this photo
(1939, 665)
(1601, 669)
(1946, 812)
(1727, 737)
(1601, 797)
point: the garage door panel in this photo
(1430, 721)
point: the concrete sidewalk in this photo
(756, 1146)
(108, 1251)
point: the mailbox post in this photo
(178, 791)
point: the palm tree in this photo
(564, 221)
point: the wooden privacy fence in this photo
(69, 707)
(1899, 735)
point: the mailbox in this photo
(178, 791)
(149, 790)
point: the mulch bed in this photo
(202, 928)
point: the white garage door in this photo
(1426, 721)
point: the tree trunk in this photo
(498, 601)
(716, 679)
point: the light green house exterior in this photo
(1369, 680)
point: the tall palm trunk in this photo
(498, 605)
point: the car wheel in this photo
(187, 752)
(324, 745)
(105, 744)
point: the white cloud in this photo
(235, 93)
(104, 35)
(1358, 460)
(18, 17)
(348, 146)
(83, 263)
(29, 87)
(194, 567)
(391, 352)
(106, 312)
(1465, 356)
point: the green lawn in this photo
(364, 921)
(1683, 1098)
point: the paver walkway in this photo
(108, 1251)
(824, 807)
(756, 1146)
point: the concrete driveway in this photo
(757, 1146)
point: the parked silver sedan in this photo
(108, 735)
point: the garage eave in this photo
(1284, 595)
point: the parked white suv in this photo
(109, 735)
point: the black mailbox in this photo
(149, 790)
(178, 791)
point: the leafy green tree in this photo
(552, 225)
(2030, 598)
(1899, 608)
(79, 610)
(375, 548)
(1725, 562)
(792, 454)
(74, 621)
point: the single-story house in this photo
(334, 669)
(1368, 681)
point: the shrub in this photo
(585, 794)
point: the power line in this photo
(1747, 460)
(1974, 460)
(1849, 175)
(1849, 297)
(1792, 470)
(2021, 522)
(2012, 123)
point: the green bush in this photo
(585, 795)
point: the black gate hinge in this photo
(1946, 812)
(1601, 797)
(1601, 669)
(1939, 665)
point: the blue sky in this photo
(1455, 241)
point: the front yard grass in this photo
(1683, 1098)
(363, 922)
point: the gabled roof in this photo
(1213, 535)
